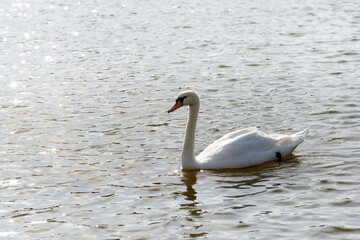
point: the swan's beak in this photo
(177, 105)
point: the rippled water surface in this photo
(89, 152)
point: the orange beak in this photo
(177, 105)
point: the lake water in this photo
(89, 152)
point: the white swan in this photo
(242, 148)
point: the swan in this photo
(239, 149)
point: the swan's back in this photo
(247, 147)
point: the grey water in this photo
(88, 150)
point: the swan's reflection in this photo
(234, 184)
(256, 180)
(189, 178)
(191, 226)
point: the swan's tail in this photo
(289, 143)
(299, 136)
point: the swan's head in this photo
(188, 98)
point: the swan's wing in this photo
(239, 149)
(247, 147)
(237, 133)
(233, 141)
(240, 141)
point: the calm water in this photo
(89, 152)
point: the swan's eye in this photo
(181, 100)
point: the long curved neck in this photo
(188, 154)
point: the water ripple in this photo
(88, 150)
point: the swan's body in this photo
(242, 148)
